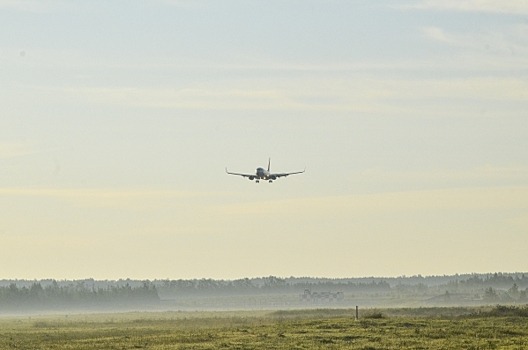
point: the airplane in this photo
(263, 174)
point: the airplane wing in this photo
(286, 174)
(244, 175)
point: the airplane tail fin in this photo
(269, 163)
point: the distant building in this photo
(321, 297)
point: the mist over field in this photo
(267, 293)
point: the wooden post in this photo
(357, 313)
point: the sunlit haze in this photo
(118, 119)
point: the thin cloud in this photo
(510, 41)
(100, 197)
(12, 150)
(517, 7)
(438, 34)
(100, 193)
(199, 4)
(369, 95)
(35, 6)
(498, 198)
(477, 175)
(486, 89)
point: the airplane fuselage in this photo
(262, 174)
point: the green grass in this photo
(303, 329)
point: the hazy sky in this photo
(117, 119)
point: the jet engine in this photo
(251, 178)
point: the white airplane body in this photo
(265, 174)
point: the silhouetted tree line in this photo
(498, 280)
(266, 285)
(489, 288)
(75, 294)
(513, 294)
(475, 283)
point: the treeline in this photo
(74, 295)
(472, 283)
(90, 293)
(497, 280)
(265, 285)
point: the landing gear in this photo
(270, 181)
(257, 181)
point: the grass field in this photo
(456, 328)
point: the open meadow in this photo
(433, 328)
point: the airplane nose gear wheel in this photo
(257, 181)
(270, 181)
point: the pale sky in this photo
(117, 119)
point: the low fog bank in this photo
(89, 295)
